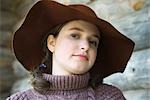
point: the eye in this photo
(94, 43)
(75, 36)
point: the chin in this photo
(78, 69)
(79, 72)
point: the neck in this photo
(68, 82)
(58, 69)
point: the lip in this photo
(81, 57)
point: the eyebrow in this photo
(97, 36)
(78, 29)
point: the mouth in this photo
(81, 57)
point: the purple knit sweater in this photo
(73, 87)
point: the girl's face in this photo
(75, 48)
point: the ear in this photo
(51, 43)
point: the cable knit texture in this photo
(74, 87)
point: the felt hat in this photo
(113, 53)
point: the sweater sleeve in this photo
(19, 96)
(108, 92)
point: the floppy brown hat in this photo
(113, 53)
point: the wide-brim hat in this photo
(113, 53)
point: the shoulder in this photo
(109, 92)
(23, 95)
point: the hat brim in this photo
(113, 53)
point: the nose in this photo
(84, 45)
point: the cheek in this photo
(93, 55)
(64, 47)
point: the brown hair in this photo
(38, 82)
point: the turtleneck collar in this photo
(67, 82)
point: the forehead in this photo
(81, 25)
